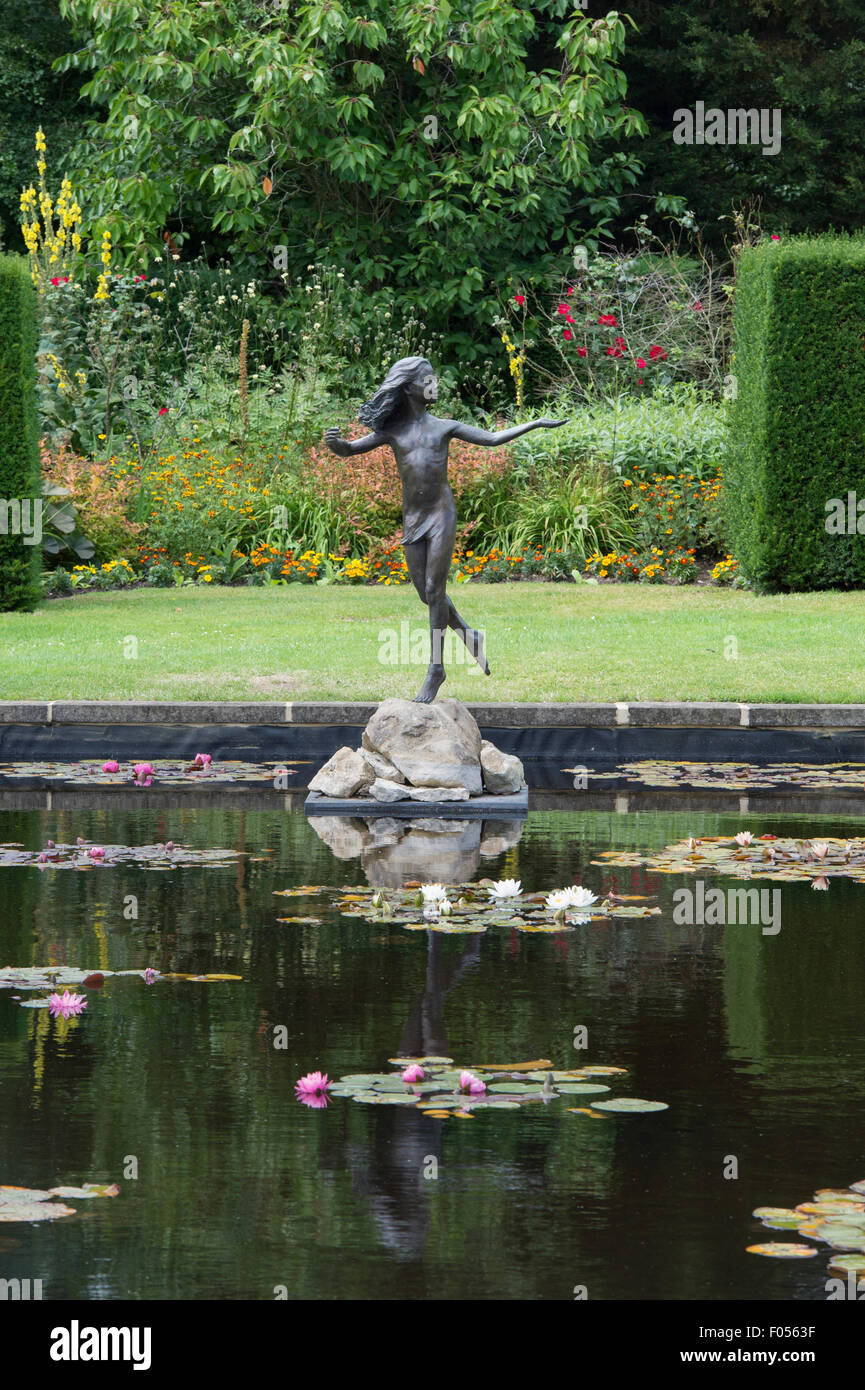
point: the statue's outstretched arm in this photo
(490, 438)
(347, 447)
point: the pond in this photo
(183, 1091)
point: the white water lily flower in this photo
(505, 888)
(558, 900)
(820, 851)
(433, 892)
(580, 897)
(743, 838)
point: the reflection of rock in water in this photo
(432, 850)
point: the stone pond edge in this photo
(646, 714)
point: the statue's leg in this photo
(439, 548)
(473, 637)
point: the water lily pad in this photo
(842, 1237)
(776, 1214)
(391, 1098)
(495, 1105)
(604, 1071)
(87, 1190)
(628, 1105)
(304, 890)
(830, 1208)
(208, 979)
(579, 1088)
(35, 1204)
(780, 1250)
(437, 1114)
(438, 1102)
(848, 1264)
(514, 1088)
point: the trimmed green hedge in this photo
(797, 423)
(20, 473)
(20, 479)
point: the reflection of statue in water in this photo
(397, 415)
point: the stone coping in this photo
(646, 714)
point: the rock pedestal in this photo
(422, 753)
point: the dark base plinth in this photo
(489, 807)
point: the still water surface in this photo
(756, 1043)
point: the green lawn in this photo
(546, 642)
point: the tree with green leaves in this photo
(436, 146)
(32, 35)
(805, 58)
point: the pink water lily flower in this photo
(150, 975)
(743, 838)
(471, 1083)
(96, 852)
(202, 760)
(111, 766)
(313, 1084)
(413, 1073)
(66, 1004)
(144, 774)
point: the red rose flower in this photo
(55, 279)
(163, 410)
(620, 343)
(640, 362)
(655, 352)
(519, 299)
(581, 351)
(567, 334)
(615, 352)
(698, 307)
(607, 320)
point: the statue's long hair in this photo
(390, 395)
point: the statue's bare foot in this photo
(435, 678)
(474, 641)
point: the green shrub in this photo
(19, 445)
(678, 428)
(797, 424)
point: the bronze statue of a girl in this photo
(398, 417)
